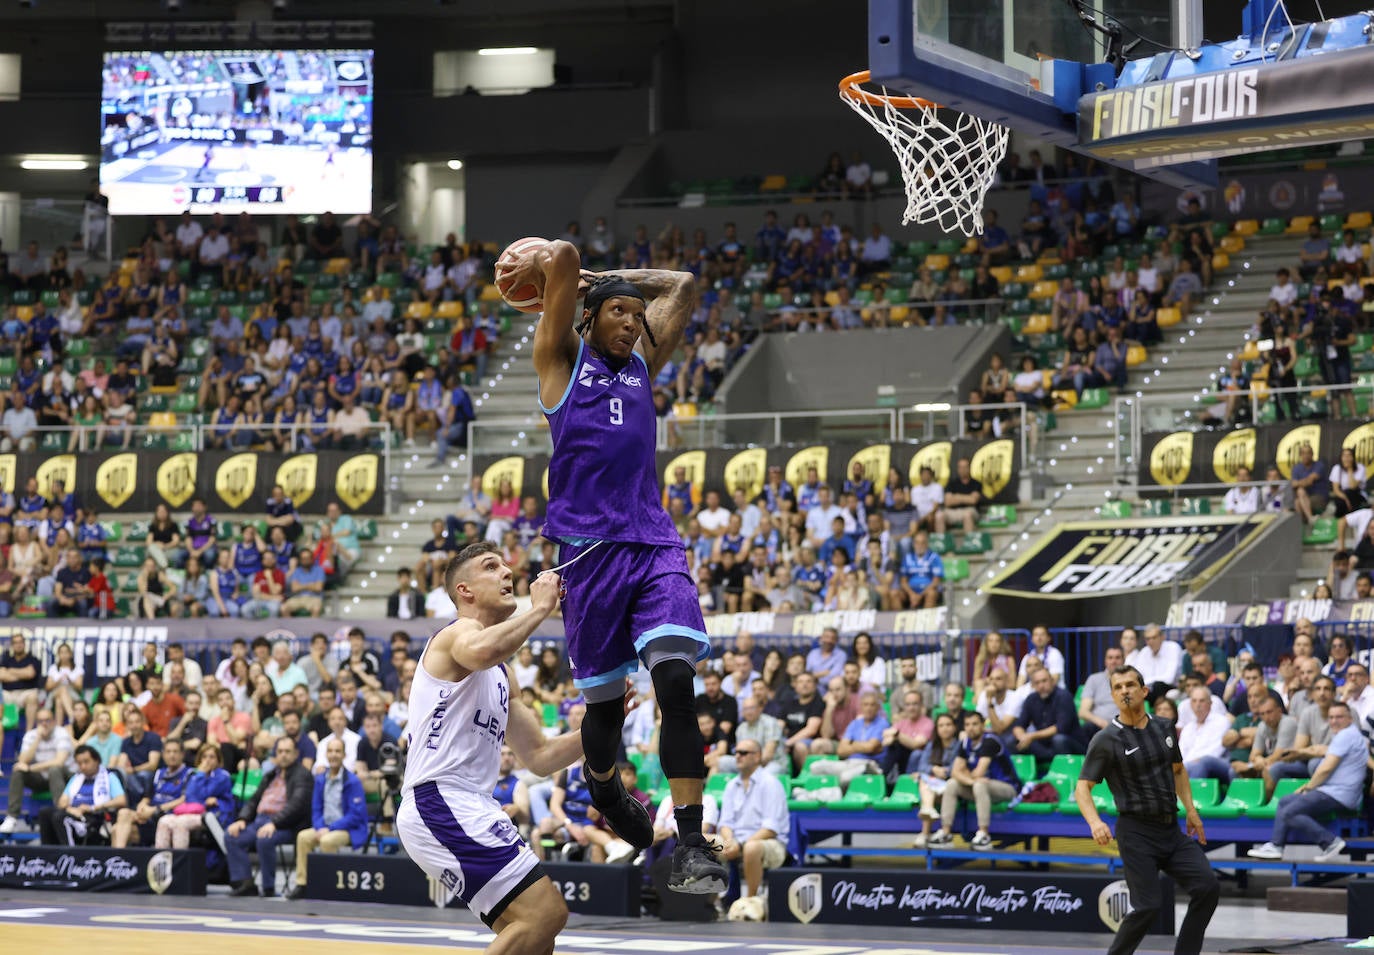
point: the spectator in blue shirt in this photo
(826, 660)
(456, 414)
(861, 744)
(982, 772)
(921, 574)
(338, 814)
(305, 585)
(137, 826)
(282, 513)
(680, 489)
(91, 793)
(996, 243)
(1311, 489)
(838, 540)
(754, 820)
(1335, 787)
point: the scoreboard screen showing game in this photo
(268, 131)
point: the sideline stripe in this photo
(146, 941)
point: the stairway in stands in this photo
(1085, 461)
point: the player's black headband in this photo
(608, 287)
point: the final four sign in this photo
(1097, 558)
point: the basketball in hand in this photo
(525, 298)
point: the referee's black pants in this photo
(1147, 848)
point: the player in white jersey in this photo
(460, 714)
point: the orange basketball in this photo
(526, 298)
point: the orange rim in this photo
(850, 89)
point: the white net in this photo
(947, 169)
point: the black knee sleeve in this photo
(679, 746)
(601, 730)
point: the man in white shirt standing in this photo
(188, 236)
(1160, 662)
(1201, 743)
(338, 729)
(926, 497)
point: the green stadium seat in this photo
(1206, 792)
(715, 785)
(1322, 532)
(53, 442)
(1197, 507)
(10, 718)
(942, 543)
(949, 246)
(998, 515)
(905, 795)
(1271, 808)
(1024, 764)
(1067, 765)
(367, 529)
(391, 280)
(1094, 399)
(246, 784)
(151, 441)
(22, 297)
(78, 348)
(979, 542)
(1157, 507)
(199, 297)
(181, 441)
(1333, 222)
(151, 404)
(114, 531)
(1115, 510)
(956, 569)
(863, 791)
(1273, 227)
(129, 556)
(1242, 796)
(184, 403)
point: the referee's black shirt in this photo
(1138, 765)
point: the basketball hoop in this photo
(947, 169)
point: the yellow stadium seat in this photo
(1318, 393)
(1365, 248)
(1038, 324)
(452, 309)
(1261, 373)
(490, 293)
(773, 183)
(1358, 220)
(1260, 389)
(1220, 261)
(337, 267)
(1298, 225)
(832, 299)
(1002, 273)
(1044, 290)
(1065, 399)
(421, 310)
(128, 266)
(1029, 273)
(24, 312)
(1168, 317)
(1335, 283)
(1232, 244)
(970, 247)
(1136, 355)
(125, 280)
(1049, 258)
(1246, 227)
(684, 409)
(1047, 378)
(899, 313)
(163, 420)
(1250, 352)
(165, 390)
(285, 264)
(937, 262)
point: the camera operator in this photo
(379, 766)
(1332, 332)
(1282, 357)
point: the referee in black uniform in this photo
(1137, 755)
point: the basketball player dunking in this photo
(461, 714)
(629, 596)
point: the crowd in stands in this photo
(57, 558)
(1313, 330)
(264, 747)
(867, 545)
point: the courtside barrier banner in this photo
(1170, 458)
(229, 482)
(1210, 613)
(395, 880)
(111, 648)
(142, 871)
(1099, 558)
(995, 464)
(1021, 901)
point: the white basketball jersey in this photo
(456, 730)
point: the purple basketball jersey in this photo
(603, 476)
